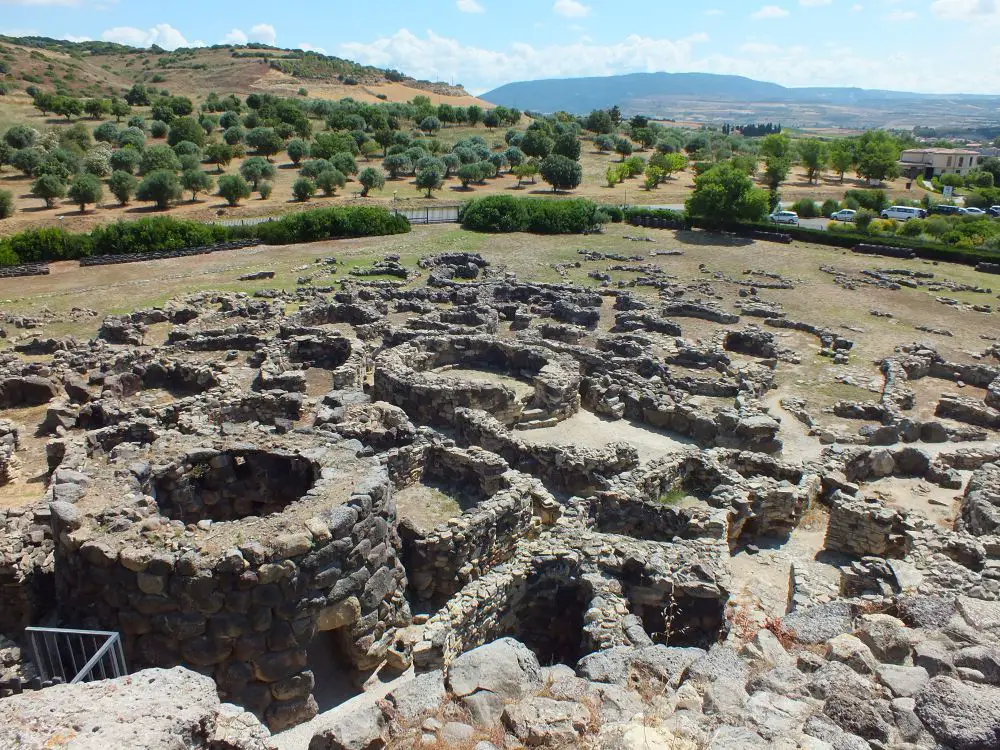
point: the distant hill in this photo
(101, 69)
(707, 96)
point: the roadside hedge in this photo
(165, 233)
(844, 239)
(152, 235)
(506, 213)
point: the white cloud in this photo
(814, 3)
(570, 8)
(263, 33)
(470, 6)
(759, 48)
(236, 36)
(306, 47)
(441, 58)
(162, 35)
(771, 11)
(898, 16)
(966, 10)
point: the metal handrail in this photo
(99, 650)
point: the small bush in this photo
(806, 208)
(873, 200)
(303, 189)
(864, 219)
(830, 206)
(6, 205)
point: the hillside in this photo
(707, 97)
(96, 69)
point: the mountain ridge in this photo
(646, 93)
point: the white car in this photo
(784, 217)
(845, 214)
(903, 213)
(974, 212)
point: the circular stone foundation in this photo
(232, 556)
(232, 485)
(404, 377)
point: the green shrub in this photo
(153, 234)
(864, 219)
(830, 206)
(912, 228)
(806, 208)
(615, 214)
(327, 223)
(47, 243)
(504, 213)
(6, 205)
(873, 200)
(303, 189)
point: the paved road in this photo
(809, 223)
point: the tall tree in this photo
(724, 194)
(841, 157)
(813, 154)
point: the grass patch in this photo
(673, 496)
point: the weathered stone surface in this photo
(154, 708)
(960, 716)
(505, 668)
(363, 729)
(546, 722)
(420, 696)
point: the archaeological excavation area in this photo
(659, 500)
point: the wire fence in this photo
(430, 214)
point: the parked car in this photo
(903, 213)
(977, 212)
(946, 209)
(994, 211)
(784, 217)
(844, 214)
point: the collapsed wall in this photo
(498, 513)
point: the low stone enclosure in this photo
(298, 490)
(409, 376)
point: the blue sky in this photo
(917, 45)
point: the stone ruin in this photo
(536, 509)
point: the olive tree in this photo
(122, 185)
(86, 188)
(561, 172)
(49, 188)
(303, 189)
(233, 188)
(329, 180)
(256, 169)
(160, 187)
(429, 180)
(371, 178)
(195, 181)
